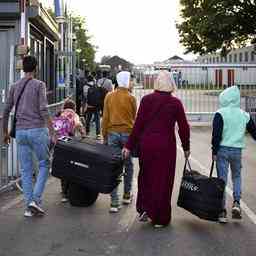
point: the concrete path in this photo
(70, 231)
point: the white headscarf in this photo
(123, 79)
(165, 82)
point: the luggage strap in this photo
(187, 163)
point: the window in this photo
(240, 57)
(246, 58)
(252, 56)
(225, 59)
(213, 60)
(235, 57)
(230, 58)
(217, 59)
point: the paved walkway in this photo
(70, 231)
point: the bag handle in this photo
(187, 163)
(212, 168)
(19, 97)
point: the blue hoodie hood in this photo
(230, 97)
(234, 118)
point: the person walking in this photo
(117, 123)
(32, 134)
(92, 101)
(153, 137)
(228, 139)
(105, 82)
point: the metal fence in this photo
(200, 85)
(9, 167)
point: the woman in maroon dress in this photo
(154, 134)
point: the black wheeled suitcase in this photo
(81, 196)
(88, 163)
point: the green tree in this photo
(85, 50)
(210, 25)
(86, 55)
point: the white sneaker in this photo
(127, 198)
(35, 208)
(64, 200)
(158, 226)
(114, 208)
(28, 213)
(98, 137)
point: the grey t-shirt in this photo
(32, 110)
(106, 84)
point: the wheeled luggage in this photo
(88, 163)
(81, 196)
(201, 195)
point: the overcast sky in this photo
(141, 31)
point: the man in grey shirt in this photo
(33, 130)
(105, 83)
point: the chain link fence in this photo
(200, 85)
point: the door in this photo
(231, 77)
(218, 77)
(6, 42)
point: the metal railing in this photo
(200, 85)
(9, 167)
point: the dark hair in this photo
(29, 64)
(90, 78)
(69, 104)
(105, 73)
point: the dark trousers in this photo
(88, 117)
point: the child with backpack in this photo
(228, 139)
(67, 123)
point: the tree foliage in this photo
(210, 25)
(87, 55)
(86, 58)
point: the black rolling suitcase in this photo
(81, 196)
(88, 163)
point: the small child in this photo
(228, 139)
(67, 123)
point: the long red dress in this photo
(154, 129)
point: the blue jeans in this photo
(228, 156)
(117, 142)
(33, 141)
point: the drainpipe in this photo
(59, 12)
(23, 27)
(23, 22)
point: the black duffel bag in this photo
(201, 195)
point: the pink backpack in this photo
(63, 126)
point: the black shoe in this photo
(223, 217)
(236, 211)
(143, 217)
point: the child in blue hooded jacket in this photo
(228, 139)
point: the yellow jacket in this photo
(119, 112)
